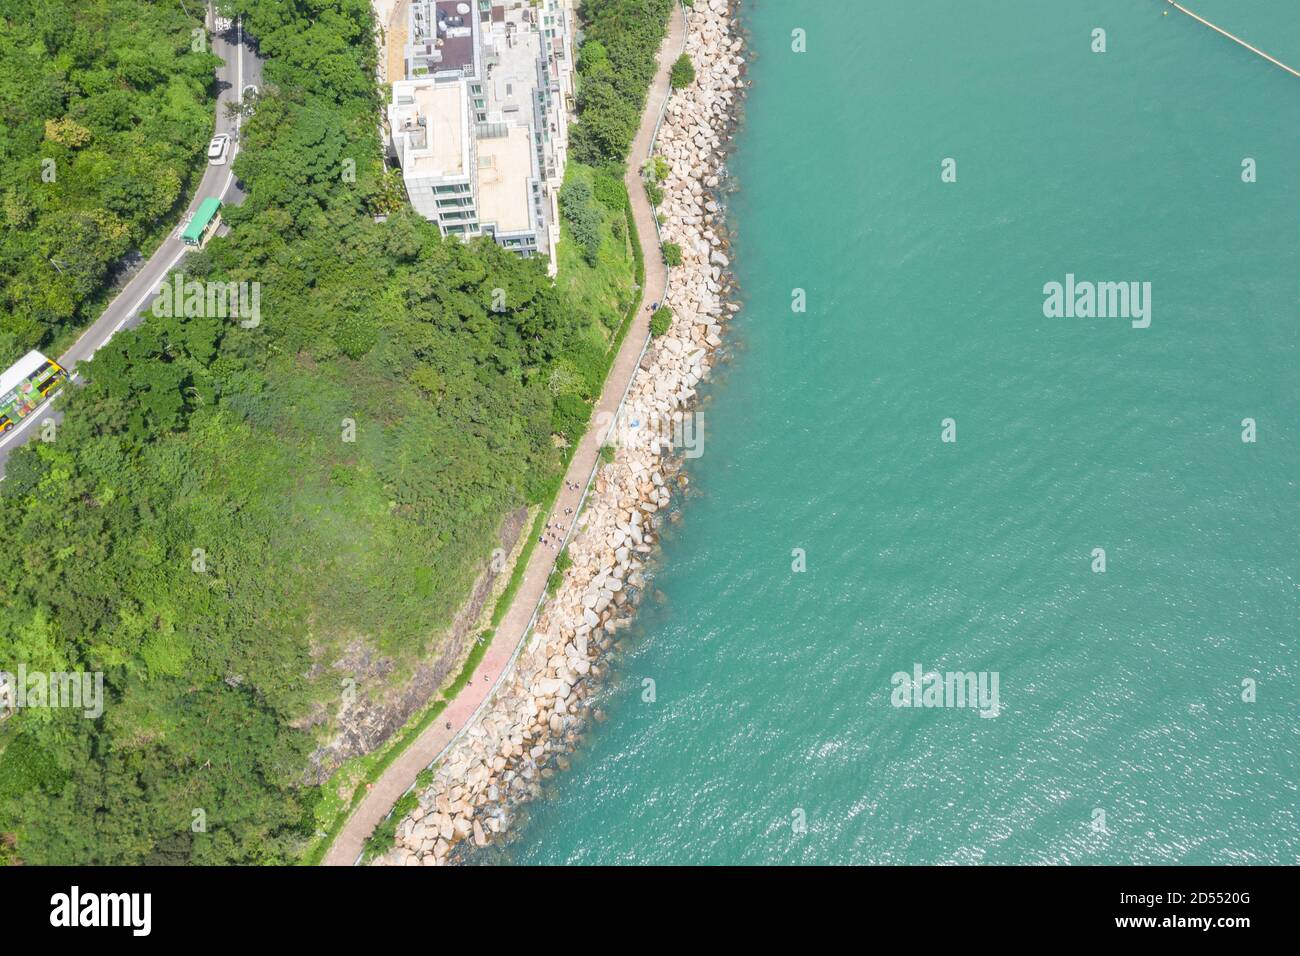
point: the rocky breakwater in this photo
(540, 712)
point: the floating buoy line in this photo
(1234, 39)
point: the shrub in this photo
(66, 132)
(356, 334)
(609, 189)
(384, 836)
(569, 416)
(562, 563)
(683, 72)
(672, 253)
(577, 203)
(661, 321)
(657, 169)
(574, 194)
(654, 192)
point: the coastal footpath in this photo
(541, 705)
(464, 711)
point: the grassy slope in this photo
(605, 291)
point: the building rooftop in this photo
(505, 167)
(431, 121)
(443, 37)
(514, 56)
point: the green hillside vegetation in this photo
(225, 510)
(105, 112)
(596, 273)
(600, 273)
(196, 433)
(615, 67)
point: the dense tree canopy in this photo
(615, 67)
(105, 109)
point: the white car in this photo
(217, 150)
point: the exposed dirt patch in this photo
(380, 710)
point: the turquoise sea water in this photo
(1119, 692)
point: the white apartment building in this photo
(430, 128)
(479, 125)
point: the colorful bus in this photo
(26, 385)
(205, 222)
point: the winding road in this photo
(242, 68)
(514, 628)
